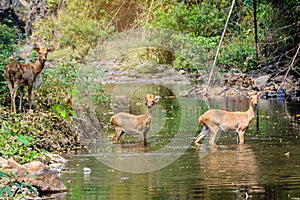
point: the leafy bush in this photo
(50, 127)
(194, 53)
(8, 38)
(205, 19)
(201, 26)
(79, 25)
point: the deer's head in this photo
(43, 52)
(254, 98)
(151, 100)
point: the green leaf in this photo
(2, 191)
(31, 188)
(8, 190)
(26, 140)
(3, 174)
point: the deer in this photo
(21, 75)
(134, 124)
(215, 120)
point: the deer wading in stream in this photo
(215, 120)
(21, 75)
(134, 124)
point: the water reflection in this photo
(229, 165)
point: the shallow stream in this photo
(267, 166)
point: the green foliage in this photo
(194, 53)
(80, 25)
(10, 182)
(203, 22)
(206, 19)
(52, 3)
(100, 97)
(197, 29)
(8, 38)
(237, 55)
(51, 126)
(15, 141)
(279, 29)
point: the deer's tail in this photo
(201, 121)
(113, 121)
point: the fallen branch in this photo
(289, 69)
(218, 50)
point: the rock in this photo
(56, 167)
(261, 81)
(86, 170)
(241, 80)
(54, 158)
(48, 182)
(36, 174)
(181, 72)
(3, 162)
(15, 167)
(42, 177)
(35, 167)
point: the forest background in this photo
(75, 27)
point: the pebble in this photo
(86, 170)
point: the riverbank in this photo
(29, 136)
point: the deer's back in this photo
(130, 123)
(212, 116)
(225, 120)
(22, 72)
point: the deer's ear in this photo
(50, 48)
(249, 94)
(36, 47)
(156, 98)
(259, 94)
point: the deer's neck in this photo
(148, 113)
(38, 66)
(251, 111)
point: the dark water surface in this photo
(267, 166)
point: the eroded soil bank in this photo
(282, 84)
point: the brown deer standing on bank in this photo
(215, 120)
(134, 124)
(21, 75)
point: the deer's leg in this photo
(142, 135)
(21, 97)
(13, 98)
(30, 94)
(241, 136)
(213, 134)
(201, 135)
(11, 90)
(118, 133)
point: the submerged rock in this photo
(86, 170)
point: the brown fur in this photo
(134, 124)
(215, 120)
(21, 75)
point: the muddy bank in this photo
(114, 73)
(233, 83)
(272, 86)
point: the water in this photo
(267, 166)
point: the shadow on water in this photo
(266, 167)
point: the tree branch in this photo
(219, 47)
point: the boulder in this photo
(36, 174)
(3, 162)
